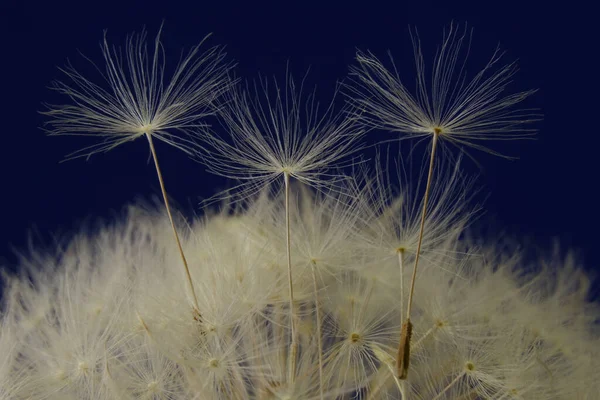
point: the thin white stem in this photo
(401, 265)
(454, 381)
(422, 228)
(280, 334)
(404, 346)
(429, 332)
(402, 390)
(293, 343)
(399, 384)
(319, 339)
(166, 200)
(384, 382)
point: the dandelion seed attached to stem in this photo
(461, 111)
(139, 102)
(274, 134)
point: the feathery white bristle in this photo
(112, 315)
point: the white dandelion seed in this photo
(449, 107)
(136, 100)
(139, 102)
(283, 136)
(279, 132)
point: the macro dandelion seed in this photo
(138, 103)
(278, 130)
(275, 135)
(134, 98)
(447, 108)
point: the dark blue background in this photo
(549, 192)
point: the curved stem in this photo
(166, 200)
(404, 346)
(293, 343)
(422, 228)
(454, 381)
(401, 265)
(319, 339)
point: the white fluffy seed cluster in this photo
(302, 287)
(107, 317)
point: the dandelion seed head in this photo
(134, 96)
(467, 111)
